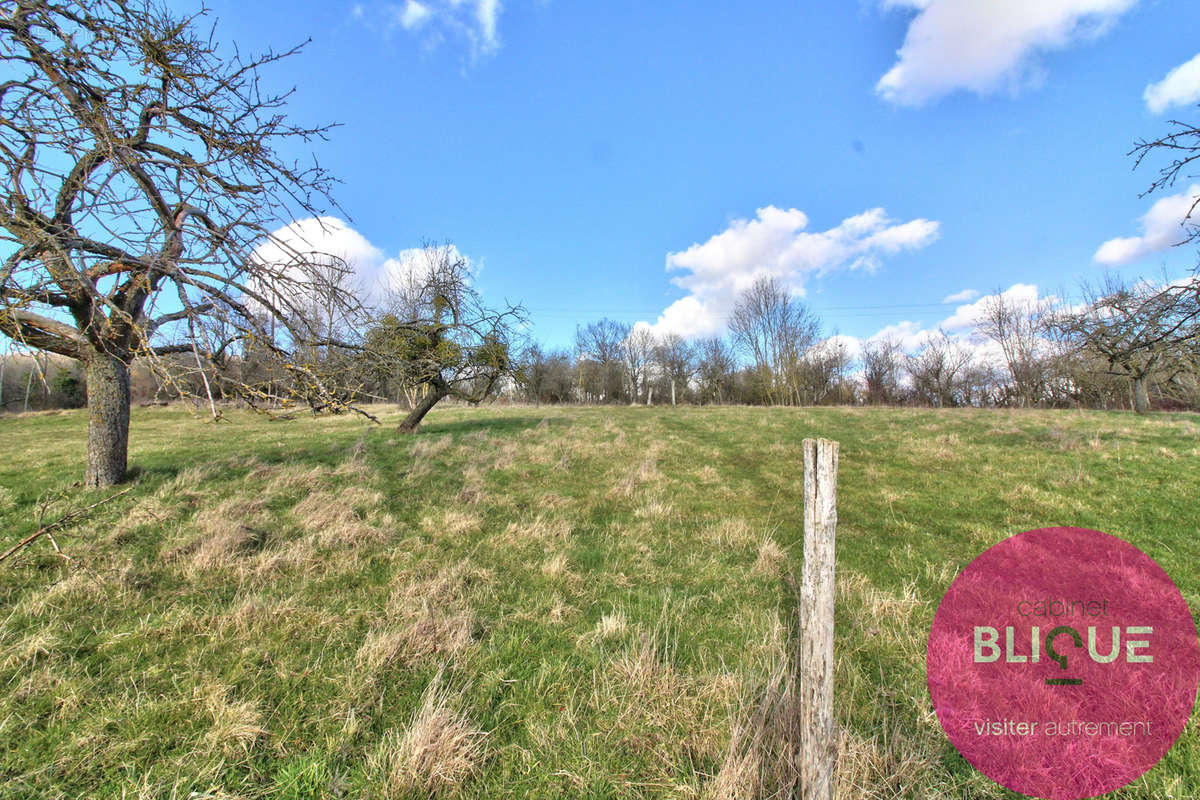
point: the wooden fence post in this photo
(818, 733)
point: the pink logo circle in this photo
(1063, 663)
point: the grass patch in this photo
(518, 602)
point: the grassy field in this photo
(526, 602)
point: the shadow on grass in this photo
(492, 425)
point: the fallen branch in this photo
(61, 522)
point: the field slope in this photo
(525, 602)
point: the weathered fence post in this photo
(818, 734)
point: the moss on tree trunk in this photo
(432, 396)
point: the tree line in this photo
(1127, 345)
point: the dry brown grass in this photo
(26, 651)
(540, 530)
(236, 725)
(759, 764)
(439, 750)
(452, 522)
(646, 472)
(883, 766)
(771, 558)
(337, 517)
(188, 484)
(254, 613)
(730, 534)
(506, 456)
(654, 507)
(79, 589)
(149, 512)
(424, 453)
(611, 625)
(428, 633)
(658, 708)
(428, 618)
(225, 531)
(944, 447)
(556, 566)
(287, 477)
(472, 492)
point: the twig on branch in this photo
(62, 522)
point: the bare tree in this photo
(821, 374)
(1020, 329)
(637, 352)
(1138, 329)
(140, 168)
(546, 376)
(600, 359)
(937, 370)
(883, 361)
(676, 360)
(774, 329)
(441, 337)
(715, 368)
(1181, 145)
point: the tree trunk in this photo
(431, 398)
(28, 386)
(1141, 397)
(108, 420)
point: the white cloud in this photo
(475, 22)
(1181, 87)
(488, 13)
(965, 296)
(414, 15)
(852, 345)
(372, 273)
(967, 316)
(775, 243)
(395, 273)
(325, 236)
(1162, 227)
(985, 46)
(908, 334)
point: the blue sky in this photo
(576, 150)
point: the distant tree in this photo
(69, 386)
(716, 368)
(600, 357)
(937, 370)
(140, 167)
(546, 376)
(883, 364)
(637, 352)
(774, 328)
(676, 361)
(1020, 327)
(441, 337)
(822, 374)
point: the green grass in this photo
(556, 602)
